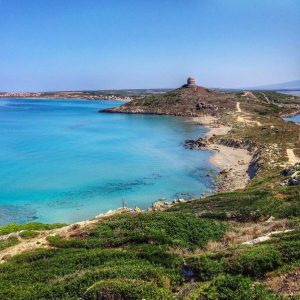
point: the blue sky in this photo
(97, 44)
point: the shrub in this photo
(254, 261)
(8, 243)
(203, 267)
(6, 229)
(159, 256)
(126, 290)
(28, 234)
(159, 228)
(226, 287)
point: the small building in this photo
(191, 82)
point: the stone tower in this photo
(191, 82)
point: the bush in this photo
(28, 234)
(226, 287)
(162, 228)
(203, 267)
(254, 261)
(6, 229)
(8, 242)
(126, 290)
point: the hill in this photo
(195, 101)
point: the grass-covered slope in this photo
(126, 256)
(156, 255)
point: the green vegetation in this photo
(28, 234)
(246, 206)
(126, 289)
(126, 255)
(227, 287)
(130, 256)
(6, 229)
(8, 243)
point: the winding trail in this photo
(243, 119)
(266, 98)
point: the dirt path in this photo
(265, 237)
(293, 159)
(266, 98)
(243, 119)
(246, 120)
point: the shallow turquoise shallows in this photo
(62, 161)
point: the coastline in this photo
(232, 162)
(65, 98)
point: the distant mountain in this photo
(290, 85)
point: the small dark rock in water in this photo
(32, 218)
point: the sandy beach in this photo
(232, 162)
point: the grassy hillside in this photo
(177, 254)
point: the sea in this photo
(295, 118)
(63, 161)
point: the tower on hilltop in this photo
(191, 82)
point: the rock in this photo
(162, 199)
(270, 220)
(196, 144)
(157, 206)
(6, 257)
(181, 200)
(137, 209)
(74, 226)
(80, 234)
(294, 181)
(224, 171)
(286, 172)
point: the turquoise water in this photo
(62, 161)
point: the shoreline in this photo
(232, 162)
(65, 98)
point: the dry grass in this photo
(246, 232)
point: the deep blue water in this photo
(62, 161)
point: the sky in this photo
(98, 44)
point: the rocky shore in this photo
(233, 160)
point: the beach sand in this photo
(232, 162)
